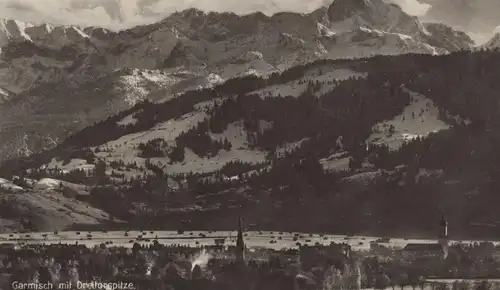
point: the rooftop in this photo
(423, 247)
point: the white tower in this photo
(443, 229)
(443, 235)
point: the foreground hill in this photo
(346, 146)
(46, 205)
(93, 72)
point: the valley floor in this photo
(255, 239)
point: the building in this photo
(430, 250)
(311, 256)
(290, 256)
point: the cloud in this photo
(77, 12)
(413, 7)
(480, 16)
(119, 14)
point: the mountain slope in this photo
(74, 107)
(411, 137)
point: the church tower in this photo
(443, 229)
(443, 234)
(240, 244)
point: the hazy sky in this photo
(117, 14)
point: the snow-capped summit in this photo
(56, 37)
(47, 35)
(13, 30)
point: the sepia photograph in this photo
(250, 145)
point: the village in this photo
(439, 265)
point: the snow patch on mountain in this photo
(419, 119)
(324, 31)
(138, 85)
(5, 95)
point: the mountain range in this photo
(93, 72)
(204, 115)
